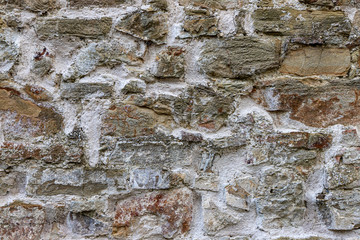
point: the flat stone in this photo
(170, 63)
(212, 4)
(317, 61)
(303, 26)
(238, 57)
(198, 26)
(89, 28)
(77, 91)
(97, 3)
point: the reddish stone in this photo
(312, 102)
(302, 140)
(20, 116)
(21, 221)
(175, 207)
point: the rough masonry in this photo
(180, 119)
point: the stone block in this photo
(172, 212)
(78, 91)
(310, 61)
(97, 3)
(170, 63)
(88, 28)
(238, 57)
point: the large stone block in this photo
(311, 102)
(89, 28)
(303, 26)
(166, 214)
(317, 61)
(238, 57)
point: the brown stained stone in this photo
(10, 151)
(130, 121)
(32, 5)
(175, 207)
(322, 105)
(302, 140)
(21, 221)
(37, 93)
(170, 63)
(317, 61)
(201, 26)
(212, 4)
(28, 116)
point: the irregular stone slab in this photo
(207, 181)
(150, 179)
(21, 221)
(301, 140)
(317, 61)
(173, 211)
(11, 183)
(198, 26)
(170, 63)
(280, 199)
(212, 4)
(216, 219)
(90, 28)
(238, 57)
(104, 54)
(149, 26)
(239, 193)
(97, 3)
(77, 91)
(303, 26)
(84, 225)
(340, 209)
(311, 103)
(8, 57)
(33, 5)
(129, 121)
(21, 118)
(158, 4)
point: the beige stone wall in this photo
(179, 119)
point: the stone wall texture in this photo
(180, 119)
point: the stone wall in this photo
(179, 119)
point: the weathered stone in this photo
(239, 194)
(74, 182)
(303, 26)
(33, 5)
(78, 91)
(11, 183)
(170, 63)
(41, 66)
(97, 3)
(327, 3)
(280, 199)
(129, 121)
(8, 58)
(37, 93)
(158, 4)
(216, 219)
(90, 28)
(212, 4)
(238, 57)
(13, 152)
(150, 179)
(207, 181)
(29, 118)
(314, 104)
(198, 26)
(132, 86)
(104, 54)
(21, 221)
(317, 61)
(340, 209)
(301, 140)
(85, 225)
(173, 211)
(149, 26)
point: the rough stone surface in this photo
(238, 57)
(179, 119)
